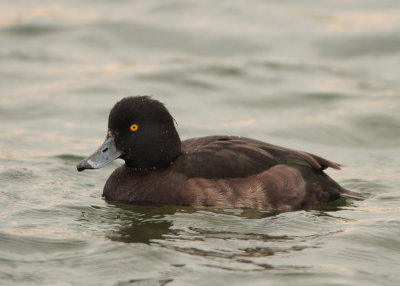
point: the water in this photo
(316, 76)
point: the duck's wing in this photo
(235, 157)
(293, 157)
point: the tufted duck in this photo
(208, 171)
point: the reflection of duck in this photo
(207, 171)
(145, 224)
(142, 223)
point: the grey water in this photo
(318, 76)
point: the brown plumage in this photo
(207, 171)
(230, 171)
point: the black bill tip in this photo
(83, 165)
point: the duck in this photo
(211, 171)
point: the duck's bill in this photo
(107, 153)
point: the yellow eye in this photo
(134, 127)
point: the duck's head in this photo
(142, 132)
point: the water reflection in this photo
(154, 224)
(143, 223)
(230, 239)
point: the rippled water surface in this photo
(320, 76)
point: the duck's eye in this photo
(134, 127)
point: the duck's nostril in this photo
(104, 150)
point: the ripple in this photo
(34, 29)
(70, 158)
(31, 56)
(27, 245)
(360, 45)
(381, 129)
(292, 101)
(20, 175)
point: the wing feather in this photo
(228, 156)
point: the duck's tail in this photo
(344, 193)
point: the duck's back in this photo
(234, 157)
(230, 171)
